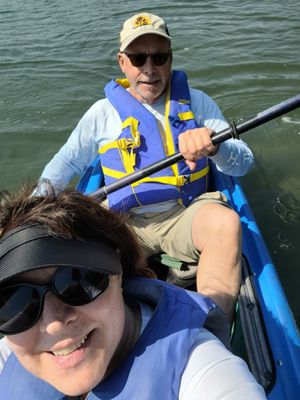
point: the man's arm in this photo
(99, 125)
(72, 158)
(232, 157)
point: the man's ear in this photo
(121, 61)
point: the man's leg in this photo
(216, 233)
(207, 226)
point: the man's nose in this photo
(149, 65)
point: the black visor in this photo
(31, 247)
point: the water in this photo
(55, 58)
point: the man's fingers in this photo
(191, 164)
(196, 143)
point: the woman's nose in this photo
(56, 314)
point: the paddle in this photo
(233, 131)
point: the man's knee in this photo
(214, 223)
(227, 221)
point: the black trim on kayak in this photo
(257, 348)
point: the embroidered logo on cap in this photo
(142, 20)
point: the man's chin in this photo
(150, 96)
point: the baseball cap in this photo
(142, 24)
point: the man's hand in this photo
(195, 144)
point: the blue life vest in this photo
(153, 369)
(140, 144)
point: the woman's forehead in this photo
(39, 275)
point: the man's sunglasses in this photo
(21, 304)
(139, 59)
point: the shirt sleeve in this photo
(234, 157)
(74, 156)
(214, 373)
(101, 124)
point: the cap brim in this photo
(146, 31)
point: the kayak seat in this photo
(174, 271)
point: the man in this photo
(149, 115)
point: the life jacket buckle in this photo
(183, 180)
(187, 179)
(122, 144)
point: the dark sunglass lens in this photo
(137, 60)
(160, 59)
(77, 286)
(19, 309)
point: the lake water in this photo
(55, 58)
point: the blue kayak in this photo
(265, 333)
(269, 331)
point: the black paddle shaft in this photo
(233, 131)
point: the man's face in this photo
(72, 347)
(148, 82)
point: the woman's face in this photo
(71, 347)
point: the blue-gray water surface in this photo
(55, 58)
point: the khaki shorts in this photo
(171, 231)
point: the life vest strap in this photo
(126, 146)
(184, 116)
(178, 181)
(170, 145)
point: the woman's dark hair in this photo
(70, 214)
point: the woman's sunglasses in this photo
(21, 304)
(139, 59)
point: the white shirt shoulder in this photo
(4, 352)
(214, 373)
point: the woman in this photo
(81, 321)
